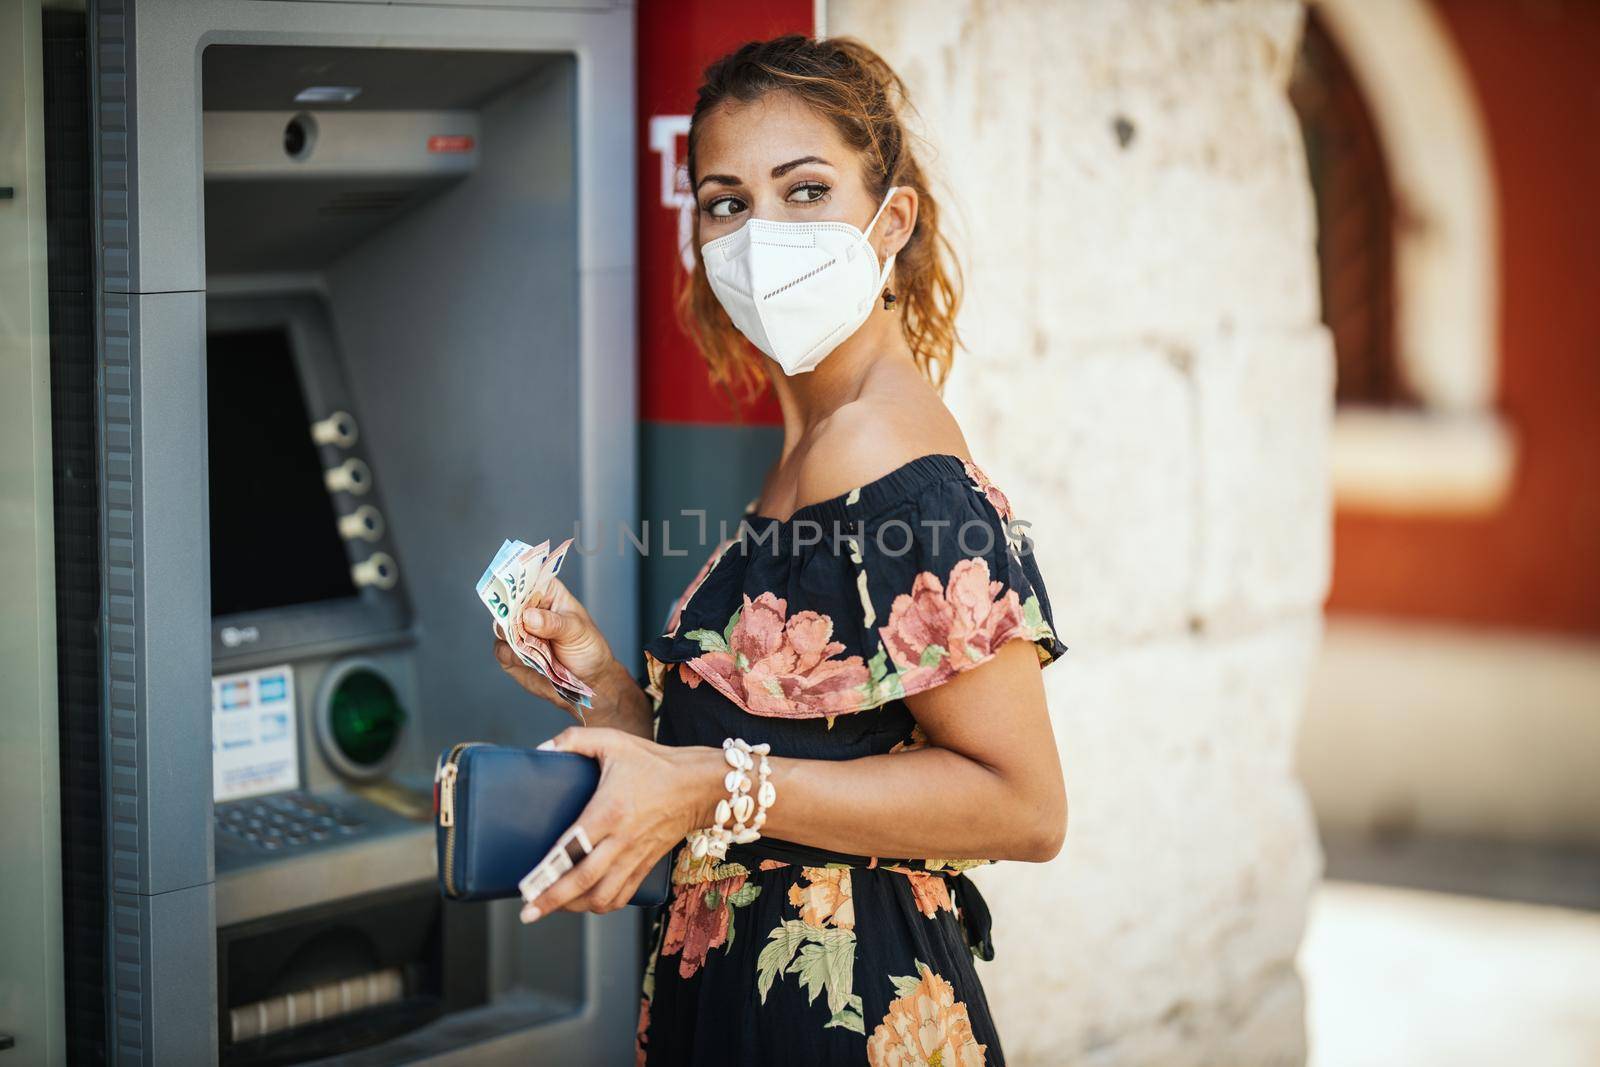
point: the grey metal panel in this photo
(162, 959)
(606, 149)
(609, 451)
(389, 79)
(124, 723)
(159, 750)
(116, 168)
(313, 876)
(674, 458)
(248, 145)
(163, 952)
(172, 590)
(165, 164)
(182, 976)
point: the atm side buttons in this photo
(352, 476)
(378, 570)
(363, 524)
(338, 429)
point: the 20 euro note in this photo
(517, 577)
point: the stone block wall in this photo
(1148, 379)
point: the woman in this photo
(892, 734)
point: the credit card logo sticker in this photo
(235, 732)
(254, 749)
(274, 726)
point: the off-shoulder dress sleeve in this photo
(877, 595)
(943, 583)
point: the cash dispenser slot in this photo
(320, 981)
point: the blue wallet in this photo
(498, 809)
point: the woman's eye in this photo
(808, 193)
(725, 207)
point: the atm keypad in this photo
(285, 820)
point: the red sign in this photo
(451, 142)
(676, 42)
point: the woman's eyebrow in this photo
(777, 172)
(784, 168)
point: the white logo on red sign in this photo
(675, 192)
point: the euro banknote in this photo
(518, 577)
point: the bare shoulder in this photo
(872, 436)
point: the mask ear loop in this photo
(879, 214)
(888, 263)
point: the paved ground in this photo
(1412, 978)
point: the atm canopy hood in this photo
(268, 78)
(308, 151)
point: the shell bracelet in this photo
(747, 810)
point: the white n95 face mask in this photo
(797, 289)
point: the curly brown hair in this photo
(849, 83)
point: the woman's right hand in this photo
(577, 642)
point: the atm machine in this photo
(362, 308)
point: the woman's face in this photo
(776, 159)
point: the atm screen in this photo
(274, 536)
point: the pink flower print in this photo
(771, 664)
(983, 485)
(936, 629)
(698, 920)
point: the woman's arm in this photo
(987, 785)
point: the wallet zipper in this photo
(444, 780)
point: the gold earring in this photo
(888, 300)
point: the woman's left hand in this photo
(649, 797)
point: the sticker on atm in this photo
(451, 142)
(253, 745)
(235, 694)
(274, 726)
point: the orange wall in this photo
(1535, 65)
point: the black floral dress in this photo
(807, 633)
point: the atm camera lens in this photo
(299, 135)
(365, 717)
